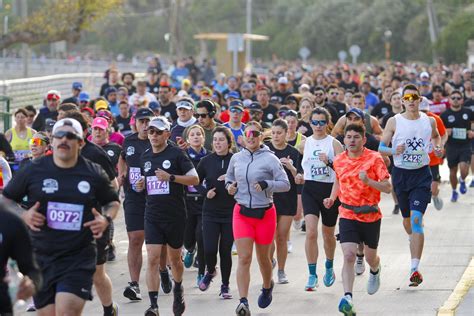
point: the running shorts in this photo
(262, 231)
(456, 154)
(357, 232)
(164, 233)
(313, 196)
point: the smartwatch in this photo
(172, 178)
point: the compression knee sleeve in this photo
(416, 220)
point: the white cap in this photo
(283, 80)
(424, 74)
(182, 93)
(304, 86)
(69, 122)
(54, 93)
(424, 104)
(160, 122)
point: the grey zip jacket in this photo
(248, 168)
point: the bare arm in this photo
(339, 127)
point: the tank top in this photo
(368, 124)
(20, 146)
(297, 141)
(416, 136)
(314, 169)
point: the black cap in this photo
(255, 106)
(144, 113)
(49, 123)
(290, 98)
(236, 104)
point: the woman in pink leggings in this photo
(253, 175)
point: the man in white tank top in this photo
(413, 135)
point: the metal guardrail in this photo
(5, 115)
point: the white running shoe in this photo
(360, 265)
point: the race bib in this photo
(134, 175)
(459, 133)
(64, 216)
(21, 154)
(156, 187)
(413, 159)
(319, 172)
(192, 189)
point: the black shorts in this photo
(164, 233)
(313, 196)
(413, 189)
(103, 244)
(134, 213)
(435, 173)
(357, 232)
(71, 274)
(456, 154)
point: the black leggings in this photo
(193, 234)
(218, 236)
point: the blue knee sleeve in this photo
(416, 220)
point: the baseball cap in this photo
(110, 90)
(437, 88)
(154, 105)
(232, 94)
(304, 86)
(101, 123)
(182, 93)
(236, 104)
(424, 104)
(144, 113)
(185, 103)
(246, 86)
(255, 106)
(101, 105)
(357, 112)
(186, 82)
(77, 85)
(290, 98)
(424, 74)
(160, 123)
(69, 122)
(247, 103)
(84, 97)
(53, 95)
(49, 124)
(282, 80)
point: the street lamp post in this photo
(387, 35)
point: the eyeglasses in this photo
(235, 110)
(411, 97)
(153, 131)
(37, 142)
(252, 133)
(201, 115)
(456, 98)
(68, 135)
(319, 122)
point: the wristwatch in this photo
(172, 178)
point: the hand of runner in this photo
(438, 151)
(33, 218)
(221, 178)
(363, 176)
(257, 187)
(140, 184)
(286, 161)
(232, 189)
(470, 134)
(181, 143)
(97, 225)
(328, 203)
(323, 157)
(400, 149)
(26, 289)
(211, 193)
(299, 179)
(162, 175)
(302, 129)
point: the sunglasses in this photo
(319, 122)
(411, 97)
(68, 135)
(153, 131)
(319, 94)
(334, 93)
(251, 133)
(37, 142)
(104, 114)
(456, 98)
(200, 115)
(234, 110)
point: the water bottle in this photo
(14, 280)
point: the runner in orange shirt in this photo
(435, 161)
(361, 175)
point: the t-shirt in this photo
(438, 107)
(236, 133)
(460, 123)
(106, 85)
(309, 130)
(434, 160)
(96, 154)
(169, 111)
(381, 109)
(124, 125)
(349, 86)
(386, 118)
(113, 150)
(352, 190)
(279, 97)
(66, 198)
(270, 113)
(164, 199)
(133, 148)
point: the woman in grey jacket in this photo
(252, 177)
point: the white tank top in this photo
(416, 135)
(314, 169)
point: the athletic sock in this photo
(312, 268)
(153, 298)
(177, 286)
(244, 300)
(108, 310)
(360, 256)
(374, 272)
(348, 293)
(134, 283)
(329, 263)
(414, 264)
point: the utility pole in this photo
(434, 28)
(248, 49)
(24, 47)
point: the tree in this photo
(58, 20)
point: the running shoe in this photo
(225, 292)
(346, 306)
(472, 184)
(297, 224)
(312, 283)
(274, 263)
(289, 245)
(373, 283)
(396, 209)
(415, 278)
(438, 203)
(454, 196)
(166, 284)
(31, 307)
(189, 258)
(178, 303)
(111, 253)
(132, 292)
(152, 311)
(206, 281)
(243, 309)
(115, 309)
(282, 278)
(360, 265)
(265, 298)
(462, 186)
(234, 249)
(199, 279)
(329, 277)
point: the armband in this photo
(386, 150)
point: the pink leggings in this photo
(260, 230)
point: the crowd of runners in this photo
(204, 169)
